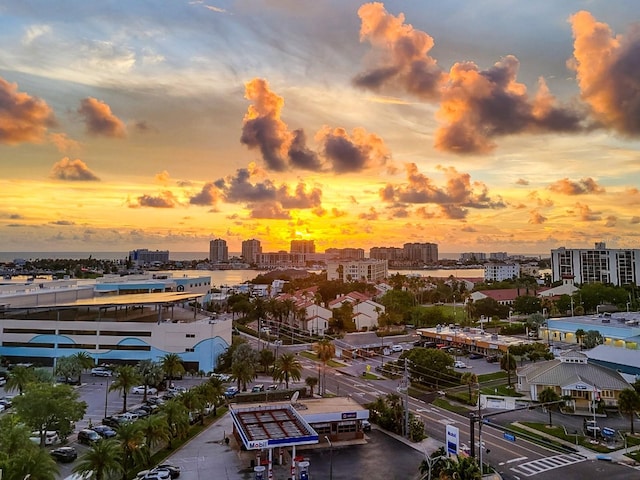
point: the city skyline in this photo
(479, 128)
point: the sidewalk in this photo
(615, 455)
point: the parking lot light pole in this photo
(330, 457)
(106, 396)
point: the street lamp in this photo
(430, 462)
(106, 396)
(330, 457)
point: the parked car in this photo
(3, 381)
(88, 437)
(104, 431)
(154, 474)
(396, 348)
(366, 426)
(231, 392)
(223, 377)
(51, 437)
(64, 454)
(475, 356)
(101, 372)
(155, 401)
(273, 387)
(459, 364)
(492, 358)
(174, 470)
(177, 390)
(591, 427)
(139, 390)
(257, 388)
(140, 412)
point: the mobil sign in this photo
(453, 440)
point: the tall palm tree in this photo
(311, 382)
(33, 463)
(172, 366)
(151, 374)
(287, 367)
(127, 377)
(469, 378)
(20, 377)
(155, 431)
(266, 359)
(325, 349)
(103, 460)
(243, 365)
(192, 400)
(84, 360)
(177, 418)
(549, 395)
(131, 440)
(508, 363)
(629, 403)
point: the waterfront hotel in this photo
(114, 319)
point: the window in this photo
(116, 333)
(190, 335)
(189, 350)
(77, 332)
(34, 331)
(344, 427)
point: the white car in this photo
(101, 372)
(459, 364)
(396, 348)
(139, 390)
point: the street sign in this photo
(509, 436)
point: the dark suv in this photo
(88, 437)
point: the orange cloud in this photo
(63, 143)
(458, 194)
(608, 72)
(352, 153)
(402, 59)
(99, 119)
(536, 218)
(23, 118)
(581, 187)
(73, 170)
(165, 199)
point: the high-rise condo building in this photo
(599, 264)
(143, 257)
(251, 249)
(218, 251)
(302, 246)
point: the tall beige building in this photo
(218, 251)
(251, 250)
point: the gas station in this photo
(265, 428)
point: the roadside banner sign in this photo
(509, 436)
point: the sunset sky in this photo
(499, 125)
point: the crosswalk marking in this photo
(545, 464)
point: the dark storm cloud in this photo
(23, 118)
(270, 210)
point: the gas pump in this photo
(303, 470)
(258, 472)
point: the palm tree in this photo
(131, 440)
(508, 363)
(325, 350)
(466, 468)
(469, 379)
(20, 377)
(155, 431)
(172, 366)
(84, 360)
(287, 367)
(33, 463)
(629, 403)
(177, 418)
(127, 377)
(311, 383)
(151, 374)
(243, 365)
(192, 401)
(266, 359)
(549, 395)
(580, 333)
(103, 460)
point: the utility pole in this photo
(406, 399)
